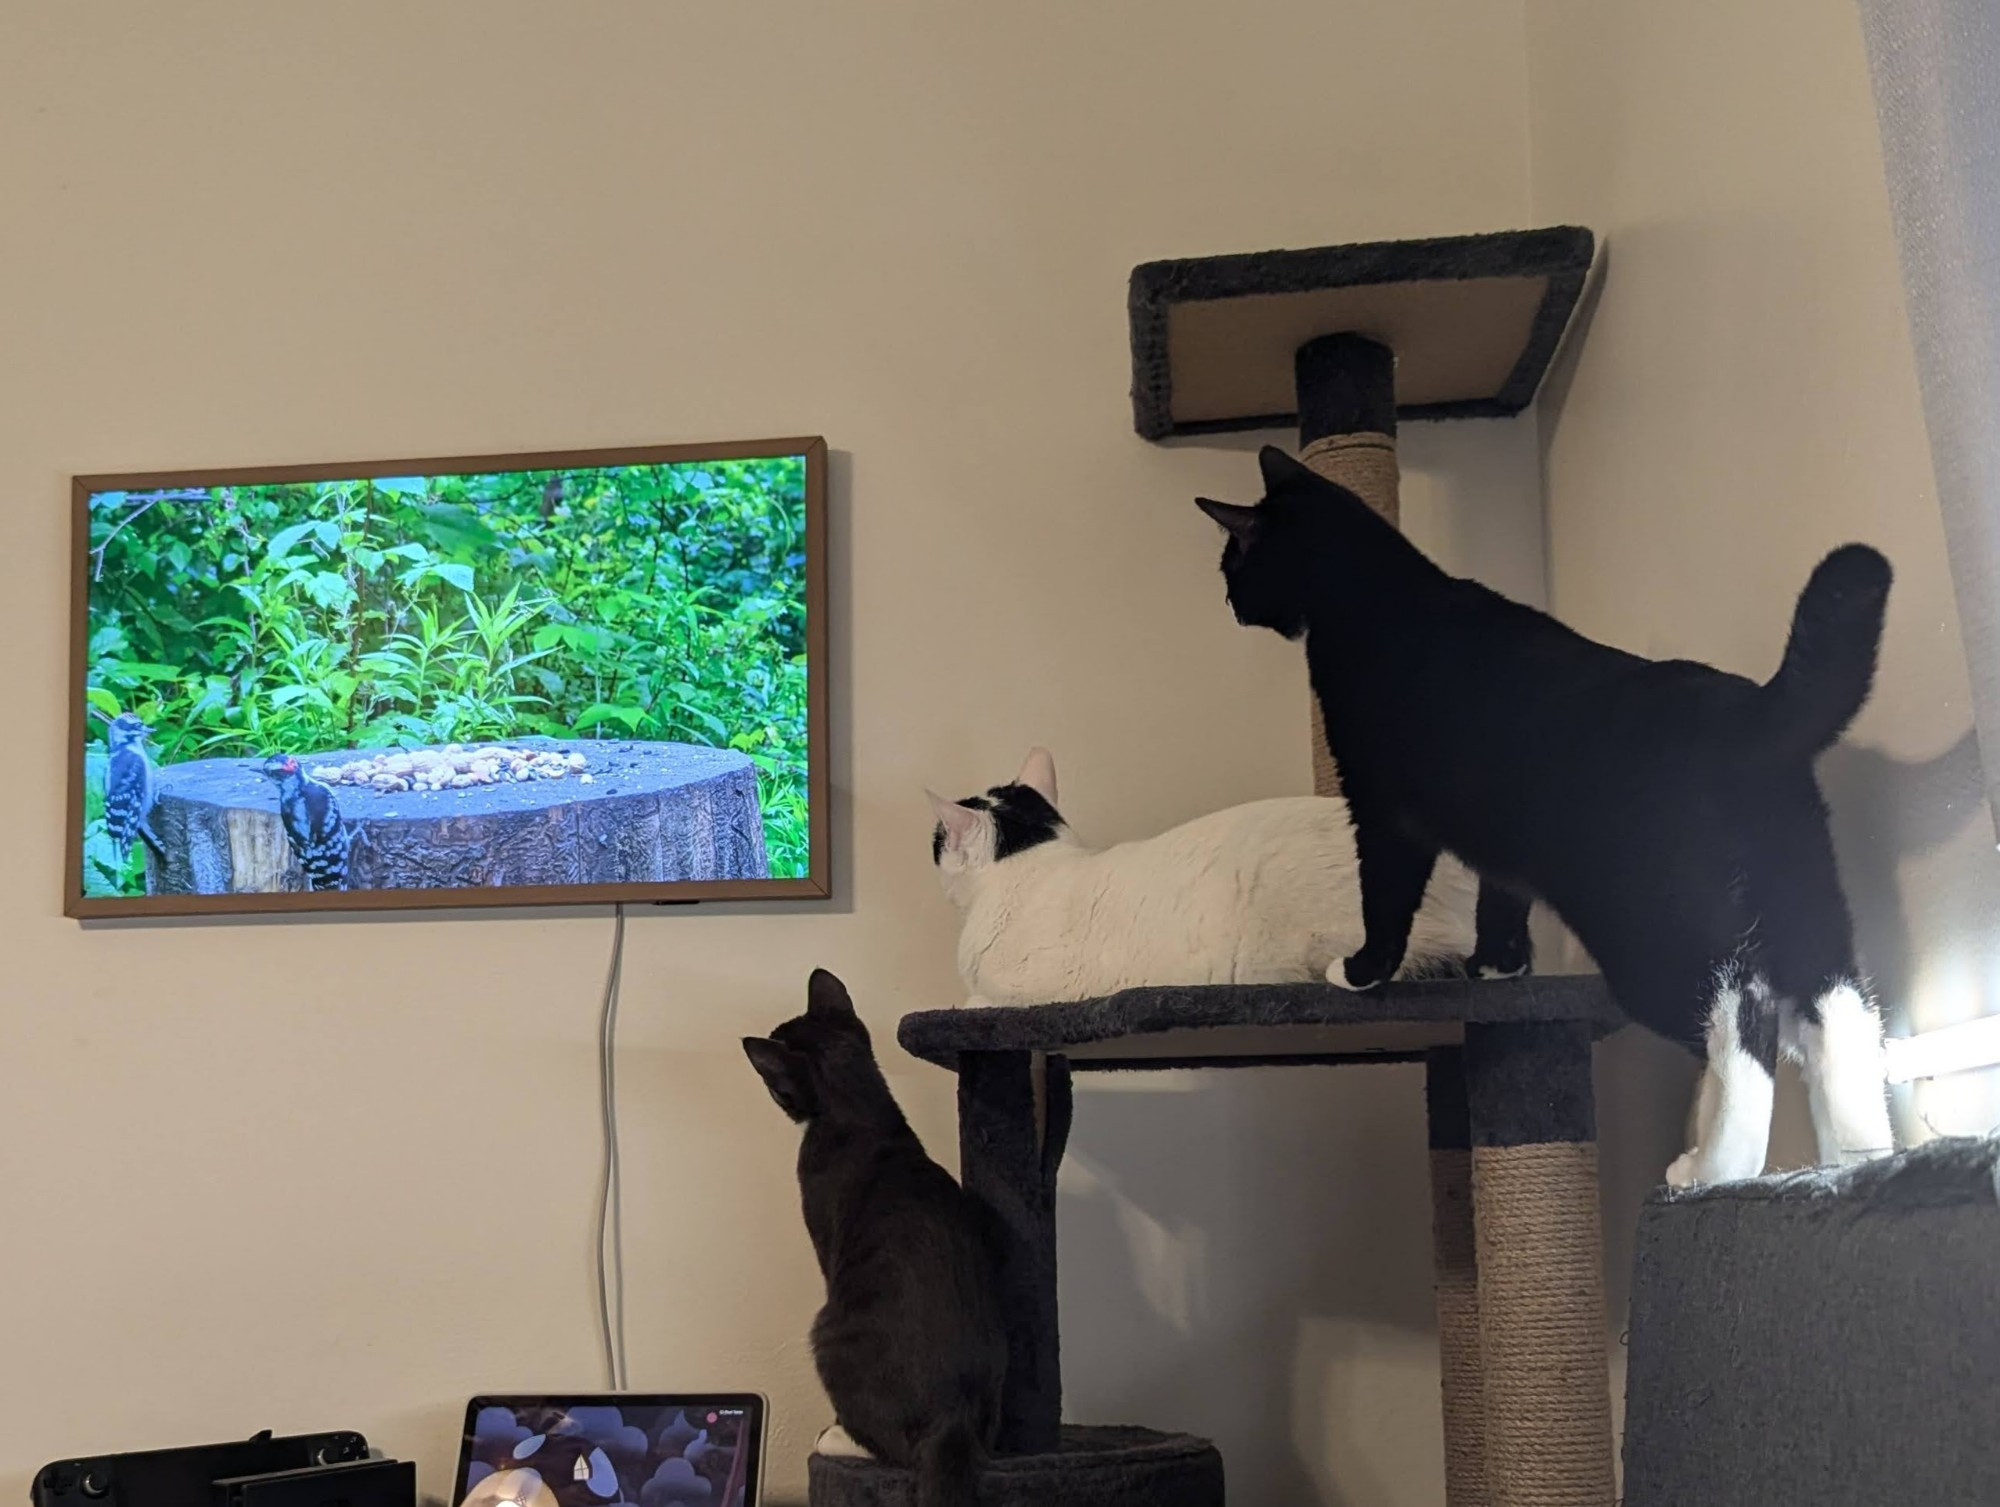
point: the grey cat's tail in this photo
(1829, 662)
(948, 1466)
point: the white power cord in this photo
(610, 1193)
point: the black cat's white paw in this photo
(1365, 971)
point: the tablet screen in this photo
(623, 1450)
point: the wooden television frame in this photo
(816, 884)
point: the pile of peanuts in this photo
(453, 767)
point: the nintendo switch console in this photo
(298, 1470)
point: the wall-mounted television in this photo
(523, 679)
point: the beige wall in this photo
(305, 1174)
(296, 1174)
(1743, 399)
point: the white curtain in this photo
(1936, 69)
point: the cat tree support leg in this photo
(1013, 1122)
(1347, 433)
(1457, 1264)
(1546, 1389)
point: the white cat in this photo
(1259, 894)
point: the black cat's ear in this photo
(784, 1073)
(1279, 468)
(1240, 521)
(827, 995)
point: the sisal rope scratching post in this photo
(1455, 1254)
(1541, 1266)
(1343, 341)
(1347, 433)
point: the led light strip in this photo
(1962, 1048)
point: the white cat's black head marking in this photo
(1021, 819)
(1006, 820)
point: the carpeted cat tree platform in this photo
(1829, 1337)
(1089, 1467)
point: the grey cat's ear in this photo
(958, 822)
(1038, 773)
(1240, 521)
(827, 995)
(1279, 468)
(784, 1074)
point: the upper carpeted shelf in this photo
(1474, 321)
(1248, 1024)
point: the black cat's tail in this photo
(948, 1466)
(1829, 661)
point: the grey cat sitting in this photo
(910, 1346)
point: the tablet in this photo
(611, 1449)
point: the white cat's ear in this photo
(1038, 773)
(959, 822)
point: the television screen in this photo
(575, 677)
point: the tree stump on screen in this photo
(649, 813)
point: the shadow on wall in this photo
(1886, 812)
(1931, 969)
(1645, 1085)
(1270, 1225)
(1273, 1225)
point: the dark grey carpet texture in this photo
(1827, 1339)
(1561, 254)
(1093, 1467)
(938, 1036)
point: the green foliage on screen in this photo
(659, 602)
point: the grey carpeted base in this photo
(1095, 1467)
(1828, 1338)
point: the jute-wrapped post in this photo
(1456, 1255)
(1347, 433)
(1541, 1266)
(1344, 340)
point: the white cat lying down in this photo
(1258, 894)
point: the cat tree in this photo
(1343, 342)
(1830, 1336)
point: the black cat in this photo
(910, 1345)
(1667, 811)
